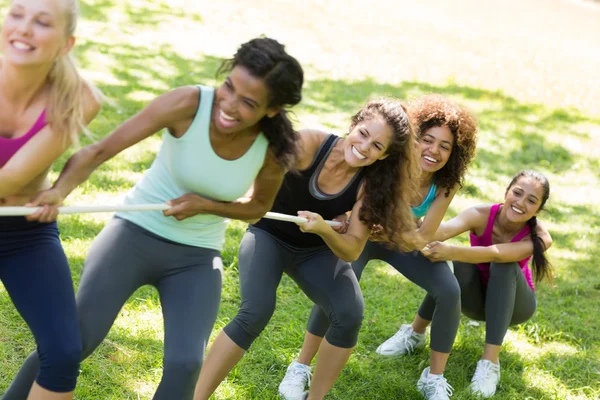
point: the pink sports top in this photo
(8, 147)
(486, 240)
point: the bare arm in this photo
(347, 246)
(249, 208)
(435, 214)
(499, 253)
(468, 220)
(38, 154)
(163, 112)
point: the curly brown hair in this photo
(390, 184)
(435, 110)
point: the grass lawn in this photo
(535, 89)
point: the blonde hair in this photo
(67, 95)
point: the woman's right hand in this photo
(49, 200)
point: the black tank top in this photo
(300, 192)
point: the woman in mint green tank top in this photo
(217, 144)
(446, 137)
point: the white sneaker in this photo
(485, 379)
(434, 387)
(405, 341)
(297, 378)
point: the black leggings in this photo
(506, 300)
(325, 279)
(436, 278)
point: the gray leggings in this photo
(507, 300)
(325, 279)
(436, 278)
(125, 257)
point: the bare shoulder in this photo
(478, 215)
(183, 100)
(310, 141)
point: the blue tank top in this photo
(189, 165)
(420, 210)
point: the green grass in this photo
(136, 50)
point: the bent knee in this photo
(59, 367)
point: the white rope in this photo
(22, 211)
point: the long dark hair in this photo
(391, 183)
(540, 264)
(267, 59)
(435, 110)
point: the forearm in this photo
(244, 209)
(481, 254)
(345, 246)
(79, 168)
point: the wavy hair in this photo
(390, 184)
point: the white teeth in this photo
(517, 210)
(430, 159)
(21, 46)
(357, 154)
(226, 117)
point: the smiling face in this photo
(241, 102)
(35, 32)
(368, 142)
(523, 199)
(436, 147)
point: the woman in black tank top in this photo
(369, 172)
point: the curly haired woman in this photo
(446, 136)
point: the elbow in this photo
(9, 187)
(350, 256)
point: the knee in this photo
(499, 270)
(447, 295)
(345, 325)
(59, 366)
(253, 318)
(182, 365)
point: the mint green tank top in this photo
(190, 165)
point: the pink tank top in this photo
(8, 147)
(486, 240)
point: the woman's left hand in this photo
(186, 206)
(437, 251)
(314, 224)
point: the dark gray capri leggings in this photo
(506, 300)
(436, 278)
(125, 257)
(324, 278)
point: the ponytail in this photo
(67, 97)
(282, 138)
(541, 267)
(65, 110)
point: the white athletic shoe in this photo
(297, 378)
(434, 387)
(485, 379)
(405, 341)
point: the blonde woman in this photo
(44, 105)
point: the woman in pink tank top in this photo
(493, 273)
(44, 106)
